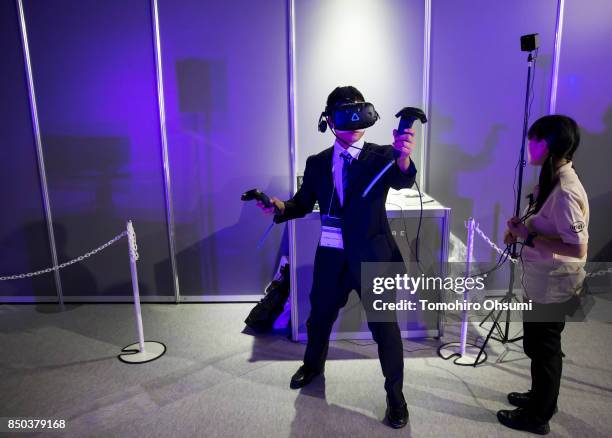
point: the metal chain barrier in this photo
(71, 262)
(600, 273)
(481, 233)
(491, 243)
(131, 233)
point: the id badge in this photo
(331, 232)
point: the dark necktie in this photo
(345, 167)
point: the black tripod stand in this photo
(495, 315)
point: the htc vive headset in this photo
(346, 114)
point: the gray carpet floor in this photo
(216, 381)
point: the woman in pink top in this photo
(554, 234)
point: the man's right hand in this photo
(269, 211)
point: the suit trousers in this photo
(326, 300)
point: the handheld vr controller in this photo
(258, 195)
(407, 116)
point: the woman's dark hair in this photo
(562, 137)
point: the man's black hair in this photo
(342, 95)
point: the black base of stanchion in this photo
(132, 354)
(471, 358)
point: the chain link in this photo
(134, 254)
(490, 242)
(599, 273)
(132, 242)
(65, 264)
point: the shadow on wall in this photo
(81, 170)
(86, 175)
(92, 181)
(77, 279)
(449, 161)
(79, 275)
(201, 265)
(592, 162)
(27, 249)
(202, 85)
(36, 243)
(202, 92)
(212, 258)
(38, 254)
(202, 88)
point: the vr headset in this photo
(349, 116)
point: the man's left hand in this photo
(405, 144)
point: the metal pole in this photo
(154, 349)
(552, 105)
(468, 262)
(133, 257)
(39, 151)
(293, 150)
(164, 142)
(504, 335)
(465, 354)
(426, 77)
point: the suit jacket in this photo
(365, 229)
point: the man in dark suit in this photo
(337, 178)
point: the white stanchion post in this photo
(468, 262)
(465, 354)
(133, 257)
(155, 349)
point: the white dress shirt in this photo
(338, 162)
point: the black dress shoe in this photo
(520, 419)
(397, 416)
(521, 399)
(302, 377)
